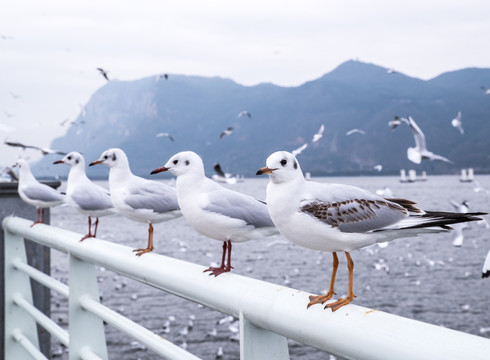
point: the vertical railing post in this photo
(86, 329)
(257, 343)
(17, 282)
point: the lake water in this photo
(424, 278)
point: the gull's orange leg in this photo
(320, 299)
(350, 293)
(150, 247)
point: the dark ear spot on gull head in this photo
(114, 157)
(187, 162)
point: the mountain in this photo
(195, 110)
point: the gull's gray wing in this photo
(42, 192)
(153, 195)
(239, 206)
(92, 197)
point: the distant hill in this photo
(195, 110)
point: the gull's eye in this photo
(69, 158)
(283, 162)
(176, 162)
(106, 157)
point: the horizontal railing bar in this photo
(28, 345)
(153, 341)
(87, 354)
(42, 319)
(282, 310)
(41, 277)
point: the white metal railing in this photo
(269, 314)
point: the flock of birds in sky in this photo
(326, 217)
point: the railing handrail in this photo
(352, 332)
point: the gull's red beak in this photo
(159, 170)
(264, 170)
(96, 162)
(58, 162)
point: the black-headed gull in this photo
(355, 131)
(393, 124)
(214, 211)
(334, 217)
(86, 197)
(456, 122)
(419, 152)
(244, 113)
(44, 151)
(36, 194)
(137, 198)
(228, 131)
(319, 134)
(486, 267)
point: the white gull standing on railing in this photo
(214, 211)
(334, 217)
(137, 198)
(86, 197)
(36, 194)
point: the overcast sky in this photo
(50, 49)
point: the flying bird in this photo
(83, 195)
(215, 211)
(104, 73)
(35, 193)
(487, 91)
(486, 267)
(391, 71)
(341, 218)
(159, 76)
(354, 131)
(228, 131)
(137, 198)
(456, 122)
(164, 134)
(393, 124)
(300, 149)
(319, 134)
(244, 113)
(44, 150)
(419, 152)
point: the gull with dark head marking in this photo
(83, 195)
(341, 218)
(419, 152)
(214, 211)
(137, 198)
(36, 194)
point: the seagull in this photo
(391, 71)
(378, 167)
(353, 131)
(215, 211)
(159, 76)
(137, 198)
(486, 267)
(487, 91)
(228, 131)
(44, 150)
(36, 194)
(319, 134)
(300, 149)
(393, 124)
(335, 217)
(244, 113)
(164, 134)
(419, 152)
(104, 73)
(82, 194)
(456, 122)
